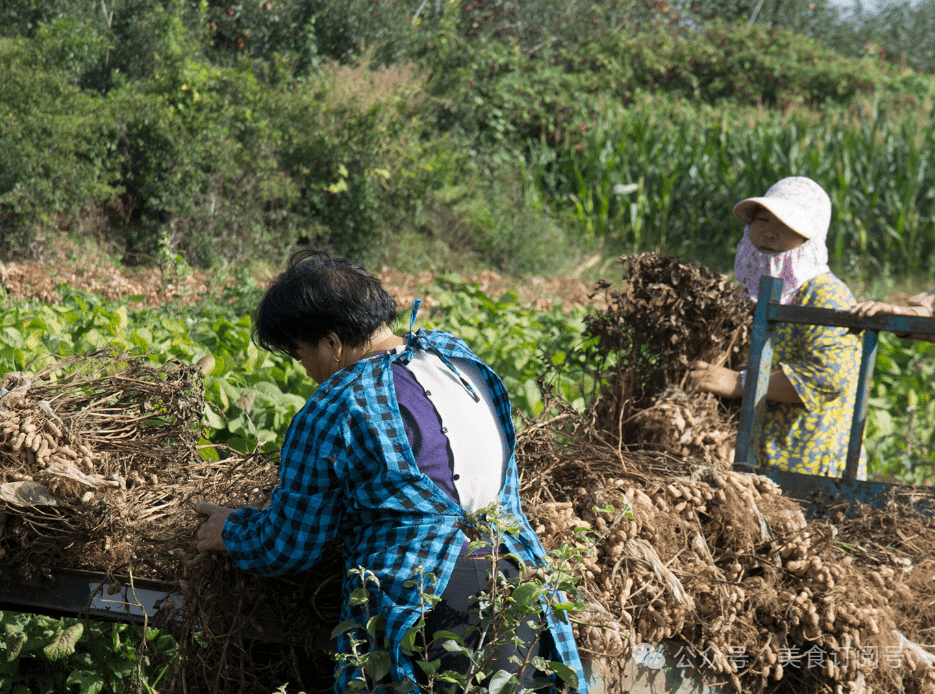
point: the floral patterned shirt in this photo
(822, 363)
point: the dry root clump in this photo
(693, 425)
(722, 562)
(256, 633)
(665, 314)
(662, 317)
(90, 450)
(99, 470)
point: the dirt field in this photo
(34, 280)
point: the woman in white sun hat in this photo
(810, 400)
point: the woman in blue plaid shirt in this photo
(403, 437)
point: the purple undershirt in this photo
(425, 431)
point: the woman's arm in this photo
(728, 384)
(865, 309)
(305, 510)
(287, 537)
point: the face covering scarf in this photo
(794, 268)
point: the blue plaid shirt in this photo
(347, 472)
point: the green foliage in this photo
(497, 92)
(747, 64)
(260, 30)
(74, 45)
(492, 92)
(901, 33)
(816, 19)
(148, 37)
(53, 151)
(197, 167)
(501, 610)
(337, 158)
(43, 654)
(900, 433)
(307, 31)
(222, 131)
(25, 18)
(521, 345)
(504, 225)
(211, 161)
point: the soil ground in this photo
(155, 286)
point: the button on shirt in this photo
(347, 471)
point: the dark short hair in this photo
(319, 294)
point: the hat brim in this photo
(786, 211)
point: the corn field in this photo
(666, 179)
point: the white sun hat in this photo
(797, 201)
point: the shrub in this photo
(492, 87)
(54, 150)
(351, 142)
(199, 165)
(74, 44)
(497, 224)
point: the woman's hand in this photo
(716, 379)
(865, 309)
(210, 534)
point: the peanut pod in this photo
(20, 440)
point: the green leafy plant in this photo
(900, 433)
(522, 345)
(44, 654)
(501, 610)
